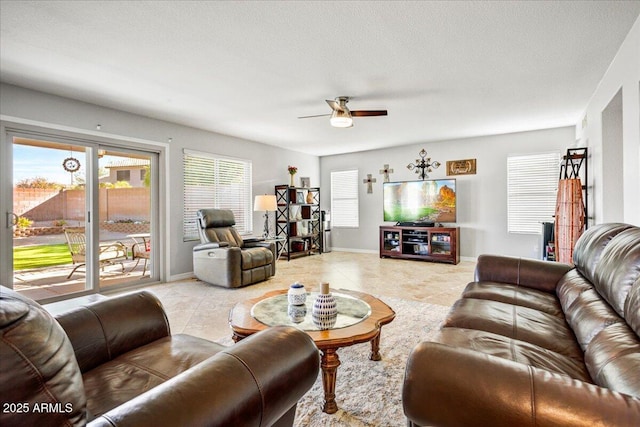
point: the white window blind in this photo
(212, 181)
(532, 184)
(344, 199)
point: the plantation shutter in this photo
(344, 199)
(212, 181)
(532, 183)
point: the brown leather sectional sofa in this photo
(534, 343)
(115, 363)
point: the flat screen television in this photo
(431, 200)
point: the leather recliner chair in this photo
(224, 258)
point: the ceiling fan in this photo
(342, 117)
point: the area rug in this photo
(370, 393)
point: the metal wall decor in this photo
(461, 167)
(423, 165)
(369, 181)
(386, 171)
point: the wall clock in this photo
(71, 164)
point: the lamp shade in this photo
(266, 202)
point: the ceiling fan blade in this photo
(317, 115)
(335, 106)
(368, 113)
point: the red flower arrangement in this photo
(292, 170)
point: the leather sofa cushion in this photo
(520, 323)
(514, 294)
(256, 257)
(214, 218)
(101, 331)
(38, 366)
(591, 244)
(133, 373)
(613, 359)
(224, 234)
(632, 308)
(588, 315)
(515, 350)
(570, 287)
(619, 269)
(256, 274)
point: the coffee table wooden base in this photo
(329, 364)
(328, 341)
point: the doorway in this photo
(82, 216)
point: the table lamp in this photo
(266, 203)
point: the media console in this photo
(424, 243)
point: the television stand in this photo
(438, 244)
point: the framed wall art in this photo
(461, 167)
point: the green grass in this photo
(28, 257)
(399, 213)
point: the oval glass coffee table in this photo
(360, 319)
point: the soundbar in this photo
(415, 224)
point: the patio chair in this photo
(109, 253)
(141, 249)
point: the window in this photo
(124, 175)
(212, 181)
(532, 183)
(344, 199)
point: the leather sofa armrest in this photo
(102, 330)
(206, 246)
(259, 244)
(445, 386)
(248, 240)
(254, 382)
(531, 273)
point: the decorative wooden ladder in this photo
(571, 206)
(572, 167)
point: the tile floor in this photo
(200, 309)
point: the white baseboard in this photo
(181, 276)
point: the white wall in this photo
(269, 163)
(482, 198)
(623, 73)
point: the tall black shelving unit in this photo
(298, 220)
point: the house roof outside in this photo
(443, 70)
(125, 163)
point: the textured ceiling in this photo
(443, 70)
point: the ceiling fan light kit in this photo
(341, 119)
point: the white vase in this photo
(297, 294)
(325, 309)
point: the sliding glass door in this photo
(125, 216)
(80, 218)
(49, 199)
